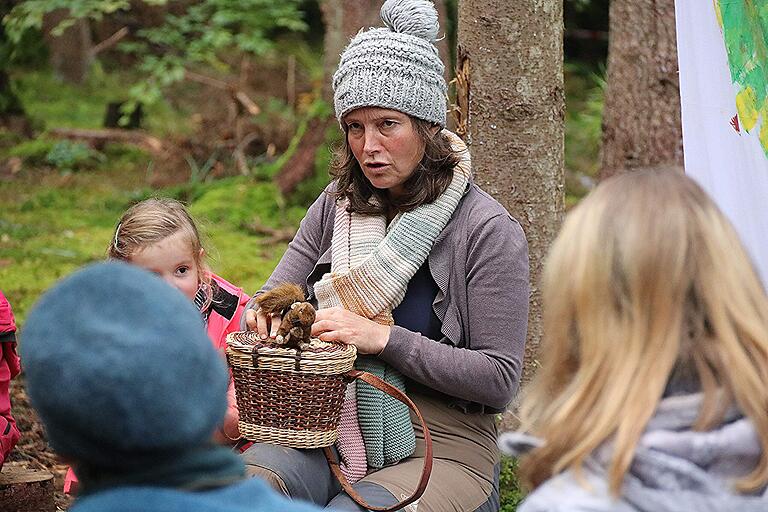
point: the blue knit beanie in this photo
(119, 367)
(396, 67)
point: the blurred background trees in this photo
(248, 58)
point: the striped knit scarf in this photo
(371, 265)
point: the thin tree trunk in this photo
(342, 19)
(641, 119)
(442, 43)
(70, 52)
(510, 57)
(12, 114)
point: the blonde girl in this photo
(160, 235)
(653, 391)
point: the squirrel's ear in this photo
(293, 306)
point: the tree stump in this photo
(25, 490)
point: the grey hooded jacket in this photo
(675, 469)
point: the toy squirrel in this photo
(298, 315)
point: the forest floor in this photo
(33, 448)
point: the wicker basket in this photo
(288, 397)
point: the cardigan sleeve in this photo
(487, 369)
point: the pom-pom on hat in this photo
(120, 368)
(396, 67)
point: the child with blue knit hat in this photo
(130, 390)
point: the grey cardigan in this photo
(480, 265)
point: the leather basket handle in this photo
(426, 470)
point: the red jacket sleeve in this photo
(9, 368)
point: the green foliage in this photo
(62, 105)
(510, 491)
(585, 91)
(201, 36)
(32, 151)
(29, 14)
(239, 201)
(66, 155)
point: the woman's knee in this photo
(373, 494)
(300, 474)
(270, 477)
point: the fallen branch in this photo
(109, 42)
(239, 153)
(237, 94)
(134, 137)
(274, 235)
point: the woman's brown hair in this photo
(430, 179)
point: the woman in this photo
(421, 270)
(652, 390)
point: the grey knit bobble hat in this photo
(396, 67)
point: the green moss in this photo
(238, 201)
(33, 151)
(511, 494)
(63, 105)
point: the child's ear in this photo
(202, 254)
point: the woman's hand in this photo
(266, 325)
(339, 324)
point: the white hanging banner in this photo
(721, 46)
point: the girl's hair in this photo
(153, 220)
(432, 176)
(646, 281)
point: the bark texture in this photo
(70, 52)
(510, 59)
(342, 19)
(26, 490)
(641, 119)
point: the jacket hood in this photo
(675, 468)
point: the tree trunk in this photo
(70, 52)
(442, 43)
(510, 58)
(641, 119)
(342, 19)
(26, 490)
(12, 114)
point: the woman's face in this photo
(385, 144)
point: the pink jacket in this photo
(226, 310)
(9, 368)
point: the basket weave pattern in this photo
(288, 397)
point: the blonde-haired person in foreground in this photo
(653, 391)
